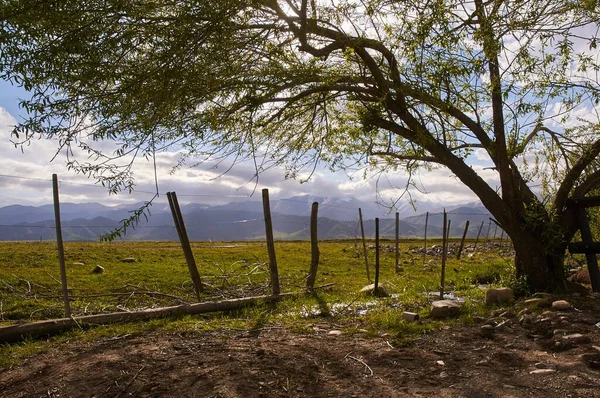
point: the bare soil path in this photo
(274, 362)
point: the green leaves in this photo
(411, 82)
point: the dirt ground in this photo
(561, 348)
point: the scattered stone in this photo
(576, 338)
(556, 332)
(382, 290)
(487, 330)
(564, 315)
(497, 313)
(542, 371)
(543, 365)
(534, 301)
(561, 305)
(547, 314)
(526, 319)
(335, 333)
(78, 263)
(410, 316)
(591, 360)
(501, 295)
(443, 375)
(98, 269)
(444, 308)
(508, 315)
(503, 325)
(128, 260)
(441, 363)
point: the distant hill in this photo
(338, 218)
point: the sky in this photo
(26, 177)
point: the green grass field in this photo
(30, 286)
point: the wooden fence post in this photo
(270, 242)
(462, 241)
(61, 249)
(364, 243)
(314, 247)
(397, 267)
(444, 252)
(487, 236)
(425, 245)
(185, 242)
(590, 256)
(478, 234)
(376, 289)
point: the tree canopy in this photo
(388, 84)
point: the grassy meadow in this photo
(30, 286)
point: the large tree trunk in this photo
(540, 264)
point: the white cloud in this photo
(482, 155)
(204, 184)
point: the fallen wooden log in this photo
(13, 333)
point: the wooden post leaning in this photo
(462, 241)
(364, 243)
(185, 242)
(270, 242)
(61, 249)
(478, 234)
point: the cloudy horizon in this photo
(28, 173)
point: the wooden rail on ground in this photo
(12, 333)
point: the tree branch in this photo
(398, 156)
(572, 175)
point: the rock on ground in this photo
(382, 290)
(502, 295)
(445, 308)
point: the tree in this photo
(387, 84)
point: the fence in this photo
(239, 220)
(180, 227)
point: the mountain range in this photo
(242, 220)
